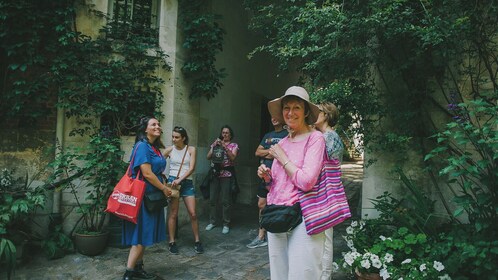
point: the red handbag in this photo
(126, 198)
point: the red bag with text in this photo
(126, 198)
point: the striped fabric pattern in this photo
(326, 204)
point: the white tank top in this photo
(176, 159)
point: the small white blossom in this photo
(376, 263)
(401, 278)
(445, 277)
(438, 266)
(348, 258)
(382, 237)
(422, 267)
(406, 261)
(362, 224)
(349, 230)
(354, 223)
(384, 274)
(365, 264)
(374, 257)
(388, 258)
(335, 267)
(350, 244)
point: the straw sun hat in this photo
(275, 105)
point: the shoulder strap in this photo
(181, 164)
(131, 162)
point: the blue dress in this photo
(151, 226)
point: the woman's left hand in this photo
(176, 182)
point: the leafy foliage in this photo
(95, 170)
(18, 202)
(47, 61)
(203, 39)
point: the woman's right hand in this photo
(216, 142)
(167, 191)
(264, 173)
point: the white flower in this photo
(445, 277)
(401, 278)
(376, 263)
(362, 224)
(422, 267)
(348, 258)
(349, 230)
(382, 237)
(350, 244)
(355, 254)
(335, 267)
(438, 266)
(384, 274)
(354, 224)
(388, 258)
(406, 261)
(365, 264)
(374, 257)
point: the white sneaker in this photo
(225, 230)
(210, 227)
(257, 243)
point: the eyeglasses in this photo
(179, 128)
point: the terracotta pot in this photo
(367, 276)
(91, 244)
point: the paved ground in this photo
(225, 257)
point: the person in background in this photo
(182, 165)
(298, 159)
(150, 227)
(270, 138)
(221, 184)
(327, 119)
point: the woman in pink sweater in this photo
(296, 166)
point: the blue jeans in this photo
(186, 186)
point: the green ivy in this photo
(46, 61)
(203, 40)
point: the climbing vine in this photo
(47, 61)
(203, 40)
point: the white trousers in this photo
(328, 255)
(296, 255)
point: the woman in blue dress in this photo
(150, 227)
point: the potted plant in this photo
(18, 201)
(94, 172)
(377, 251)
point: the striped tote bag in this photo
(326, 204)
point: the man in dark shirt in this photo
(270, 138)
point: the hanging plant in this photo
(203, 40)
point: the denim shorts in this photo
(187, 186)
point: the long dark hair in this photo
(229, 129)
(183, 133)
(141, 135)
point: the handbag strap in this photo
(131, 163)
(181, 164)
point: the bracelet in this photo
(285, 163)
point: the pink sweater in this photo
(307, 155)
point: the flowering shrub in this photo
(402, 255)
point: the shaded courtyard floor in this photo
(225, 257)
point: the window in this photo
(134, 17)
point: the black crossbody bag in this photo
(280, 218)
